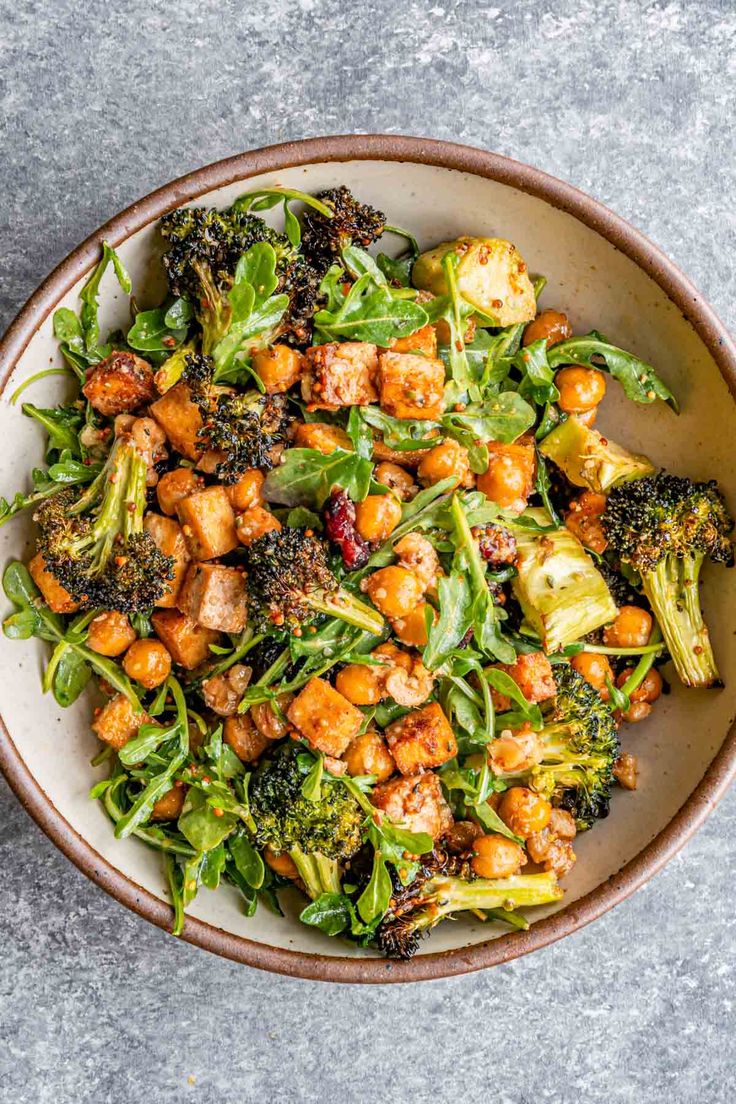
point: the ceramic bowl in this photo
(605, 275)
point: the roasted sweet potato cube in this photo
(180, 419)
(416, 803)
(411, 386)
(324, 717)
(170, 804)
(532, 673)
(120, 383)
(323, 437)
(56, 597)
(208, 521)
(255, 522)
(214, 596)
(244, 738)
(175, 485)
(421, 740)
(168, 537)
(117, 722)
(188, 642)
(340, 375)
(423, 342)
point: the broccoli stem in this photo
(447, 895)
(346, 607)
(673, 592)
(318, 873)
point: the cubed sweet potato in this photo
(323, 437)
(532, 673)
(340, 375)
(168, 537)
(170, 804)
(244, 738)
(411, 386)
(117, 722)
(421, 740)
(56, 597)
(188, 643)
(120, 383)
(208, 522)
(255, 522)
(214, 596)
(324, 717)
(180, 419)
(175, 485)
(416, 803)
(423, 342)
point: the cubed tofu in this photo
(117, 722)
(412, 386)
(255, 522)
(214, 596)
(169, 539)
(180, 419)
(421, 740)
(324, 717)
(322, 437)
(244, 738)
(423, 342)
(175, 485)
(416, 803)
(56, 597)
(340, 375)
(208, 521)
(120, 383)
(188, 642)
(532, 673)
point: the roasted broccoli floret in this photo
(580, 746)
(664, 526)
(289, 582)
(204, 247)
(352, 223)
(244, 427)
(95, 545)
(317, 834)
(438, 891)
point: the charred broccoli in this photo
(352, 223)
(95, 544)
(438, 891)
(204, 247)
(317, 834)
(289, 581)
(244, 427)
(664, 526)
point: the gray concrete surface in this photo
(632, 102)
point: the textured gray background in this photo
(632, 102)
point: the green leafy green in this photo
(306, 477)
(638, 379)
(369, 311)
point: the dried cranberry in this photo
(497, 544)
(339, 515)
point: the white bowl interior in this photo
(599, 288)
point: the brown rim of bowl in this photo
(679, 290)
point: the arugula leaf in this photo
(332, 913)
(64, 473)
(455, 601)
(201, 826)
(638, 379)
(463, 383)
(375, 898)
(79, 336)
(369, 312)
(255, 310)
(486, 616)
(152, 330)
(537, 376)
(62, 425)
(247, 860)
(503, 417)
(400, 433)
(306, 477)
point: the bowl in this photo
(606, 276)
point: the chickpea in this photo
(584, 520)
(562, 824)
(524, 811)
(445, 461)
(110, 633)
(377, 516)
(588, 418)
(595, 669)
(631, 629)
(361, 684)
(648, 690)
(549, 324)
(267, 720)
(148, 662)
(170, 804)
(368, 754)
(462, 835)
(411, 629)
(497, 857)
(281, 863)
(323, 437)
(149, 439)
(397, 479)
(393, 590)
(625, 771)
(176, 485)
(515, 751)
(393, 656)
(581, 389)
(255, 522)
(637, 711)
(247, 491)
(509, 479)
(279, 368)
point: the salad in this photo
(365, 596)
